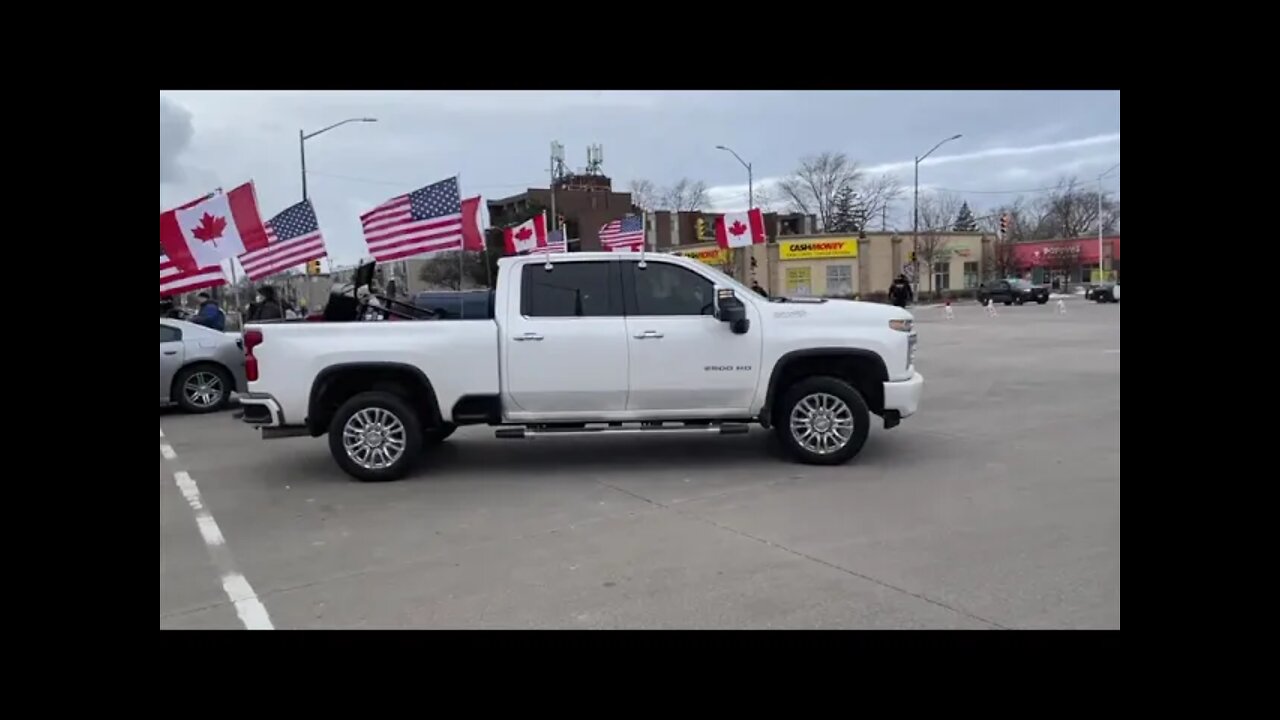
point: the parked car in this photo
(1104, 293)
(589, 343)
(1012, 291)
(199, 367)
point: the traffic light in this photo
(313, 267)
(1004, 225)
(701, 228)
(913, 256)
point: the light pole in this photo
(745, 269)
(915, 210)
(750, 195)
(302, 145)
(1113, 167)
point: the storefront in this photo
(825, 266)
(1068, 262)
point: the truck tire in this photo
(375, 436)
(822, 421)
(437, 435)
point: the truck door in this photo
(682, 358)
(566, 340)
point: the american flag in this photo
(555, 243)
(627, 231)
(175, 280)
(426, 220)
(293, 238)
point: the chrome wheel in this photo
(374, 438)
(203, 389)
(822, 423)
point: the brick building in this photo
(586, 202)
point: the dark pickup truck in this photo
(1012, 292)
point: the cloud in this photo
(729, 197)
(176, 131)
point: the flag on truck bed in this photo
(293, 238)
(176, 281)
(214, 228)
(624, 234)
(424, 221)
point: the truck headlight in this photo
(901, 325)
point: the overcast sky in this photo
(499, 142)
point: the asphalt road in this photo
(997, 506)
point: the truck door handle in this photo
(170, 352)
(527, 336)
(647, 334)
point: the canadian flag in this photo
(740, 229)
(528, 235)
(219, 227)
(472, 239)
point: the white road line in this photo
(252, 613)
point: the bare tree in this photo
(813, 187)
(1004, 259)
(644, 194)
(765, 198)
(937, 213)
(876, 198)
(686, 195)
(1068, 211)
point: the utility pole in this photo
(915, 212)
(1100, 274)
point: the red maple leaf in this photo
(209, 229)
(523, 234)
(737, 228)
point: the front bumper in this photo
(904, 395)
(261, 410)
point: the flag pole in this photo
(644, 236)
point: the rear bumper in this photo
(904, 395)
(261, 410)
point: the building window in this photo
(799, 281)
(840, 280)
(942, 275)
(971, 273)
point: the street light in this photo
(1113, 167)
(742, 258)
(915, 222)
(302, 145)
(750, 196)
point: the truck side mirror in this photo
(730, 309)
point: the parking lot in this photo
(996, 506)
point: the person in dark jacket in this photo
(900, 291)
(268, 307)
(210, 315)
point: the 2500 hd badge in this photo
(727, 368)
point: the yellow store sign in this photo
(817, 249)
(710, 256)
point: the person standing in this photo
(900, 291)
(268, 307)
(209, 314)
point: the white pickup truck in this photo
(590, 343)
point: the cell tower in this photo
(557, 162)
(595, 158)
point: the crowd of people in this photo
(266, 305)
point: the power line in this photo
(401, 183)
(999, 192)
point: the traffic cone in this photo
(947, 311)
(1062, 308)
